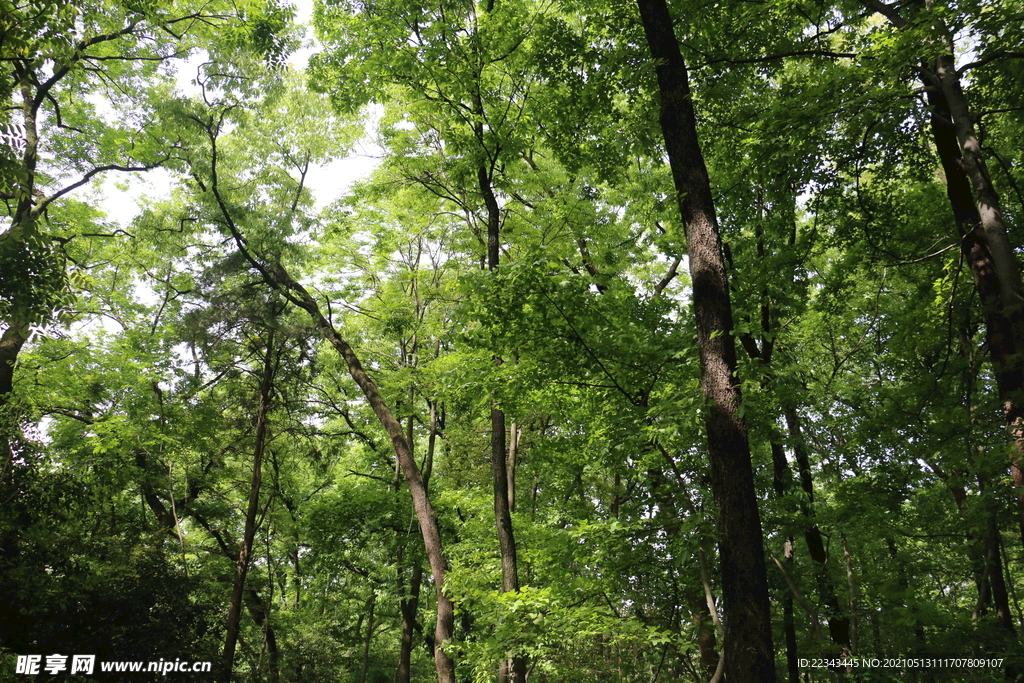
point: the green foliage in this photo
(129, 444)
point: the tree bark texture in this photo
(749, 654)
(984, 240)
(249, 534)
(1003, 317)
(10, 346)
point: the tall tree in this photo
(976, 209)
(749, 654)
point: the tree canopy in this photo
(666, 341)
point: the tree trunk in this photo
(515, 434)
(279, 278)
(254, 603)
(514, 670)
(10, 345)
(370, 604)
(1003, 319)
(781, 478)
(425, 515)
(984, 240)
(409, 606)
(249, 534)
(838, 622)
(749, 654)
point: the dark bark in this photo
(513, 671)
(515, 434)
(251, 512)
(409, 606)
(789, 623)
(994, 570)
(984, 240)
(257, 608)
(1003, 323)
(781, 478)
(506, 540)
(749, 654)
(370, 604)
(10, 346)
(254, 603)
(838, 621)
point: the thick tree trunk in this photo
(749, 654)
(249, 534)
(993, 281)
(10, 346)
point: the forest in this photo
(676, 340)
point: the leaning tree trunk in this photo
(277, 277)
(748, 651)
(985, 244)
(422, 506)
(996, 278)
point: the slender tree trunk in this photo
(249, 534)
(275, 274)
(409, 606)
(749, 654)
(515, 669)
(515, 433)
(254, 603)
(782, 476)
(370, 604)
(838, 622)
(425, 514)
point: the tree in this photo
(748, 634)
